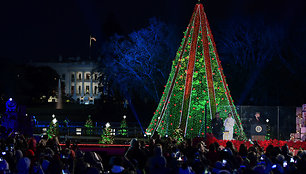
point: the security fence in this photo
(280, 121)
(78, 129)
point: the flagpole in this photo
(89, 49)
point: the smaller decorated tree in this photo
(107, 137)
(89, 126)
(53, 129)
(123, 127)
(178, 135)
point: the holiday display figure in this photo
(196, 82)
(107, 137)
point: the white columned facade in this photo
(91, 76)
(82, 93)
(75, 84)
(68, 78)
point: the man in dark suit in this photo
(217, 125)
(256, 119)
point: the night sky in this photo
(43, 30)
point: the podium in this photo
(258, 132)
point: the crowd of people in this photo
(159, 156)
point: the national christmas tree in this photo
(196, 82)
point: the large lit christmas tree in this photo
(196, 81)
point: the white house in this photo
(81, 80)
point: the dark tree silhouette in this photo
(258, 58)
(141, 61)
(28, 84)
